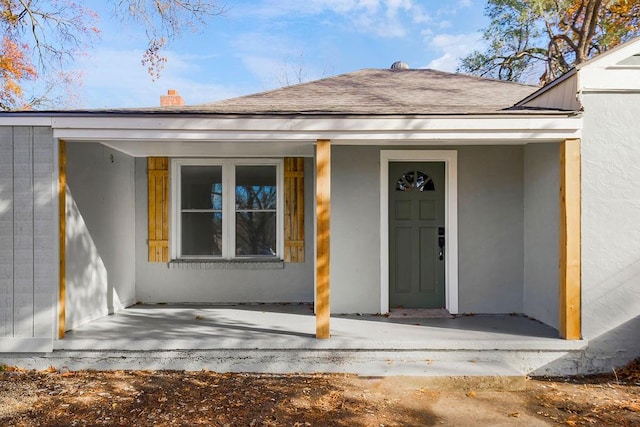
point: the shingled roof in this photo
(376, 92)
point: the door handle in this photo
(441, 243)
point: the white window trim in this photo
(228, 209)
(450, 159)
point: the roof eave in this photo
(45, 117)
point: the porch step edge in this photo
(362, 362)
(336, 344)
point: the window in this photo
(415, 181)
(256, 208)
(226, 208)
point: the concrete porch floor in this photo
(292, 326)
(279, 338)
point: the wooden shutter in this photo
(158, 194)
(294, 209)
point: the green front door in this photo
(416, 235)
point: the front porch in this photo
(277, 338)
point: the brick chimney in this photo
(171, 99)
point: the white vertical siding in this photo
(27, 234)
(6, 232)
(562, 96)
(44, 226)
(23, 232)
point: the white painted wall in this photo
(541, 225)
(28, 273)
(157, 282)
(611, 228)
(100, 259)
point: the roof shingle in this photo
(369, 91)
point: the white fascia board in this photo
(613, 56)
(614, 78)
(310, 124)
(25, 121)
(345, 137)
(311, 129)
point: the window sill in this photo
(227, 264)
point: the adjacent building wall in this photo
(100, 258)
(541, 225)
(490, 221)
(611, 228)
(221, 283)
(28, 238)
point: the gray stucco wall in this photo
(611, 228)
(28, 231)
(355, 229)
(490, 208)
(156, 282)
(541, 225)
(100, 259)
(490, 221)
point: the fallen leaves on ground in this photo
(597, 400)
(146, 398)
(139, 398)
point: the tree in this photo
(548, 37)
(297, 72)
(13, 69)
(42, 37)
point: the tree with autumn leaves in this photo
(543, 39)
(42, 37)
(14, 69)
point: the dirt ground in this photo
(146, 398)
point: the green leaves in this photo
(545, 38)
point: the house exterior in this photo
(361, 193)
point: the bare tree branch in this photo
(54, 33)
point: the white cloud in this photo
(452, 48)
(383, 18)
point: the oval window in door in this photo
(415, 181)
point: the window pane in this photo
(255, 187)
(202, 233)
(256, 233)
(201, 187)
(408, 182)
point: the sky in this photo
(261, 45)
